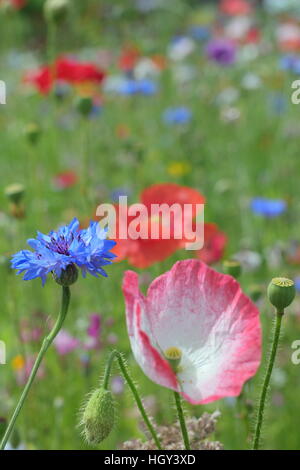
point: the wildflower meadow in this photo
(150, 227)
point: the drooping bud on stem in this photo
(281, 293)
(98, 416)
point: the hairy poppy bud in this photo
(68, 276)
(98, 416)
(233, 268)
(56, 10)
(281, 292)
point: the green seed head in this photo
(84, 105)
(233, 268)
(56, 10)
(256, 292)
(98, 416)
(32, 132)
(68, 276)
(15, 192)
(281, 292)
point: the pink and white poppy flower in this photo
(202, 320)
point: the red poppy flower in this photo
(143, 252)
(290, 45)
(72, 71)
(128, 58)
(171, 193)
(253, 36)
(214, 244)
(65, 180)
(235, 7)
(18, 4)
(65, 69)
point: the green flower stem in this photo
(51, 41)
(182, 421)
(45, 345)
(266, 381)
(115, 354)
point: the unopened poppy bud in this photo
(32, 132)
(173, 356)
(98, 416)
(68, 276)
(84, 105)
(15, 192)
(256, 292)
(233, 268)
(281, 293)
(56, 10)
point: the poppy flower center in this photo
(173, 356)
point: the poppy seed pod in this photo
(233, 268)
(173, 356)
(281, 293)
(98, 416)
(68, 276)
(56, 10)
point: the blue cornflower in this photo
(87, 249)
(297, 283)
(199, 32)
(180, 115)
(268, 207)
(134, 87)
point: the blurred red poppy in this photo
(18, 4)
(214, 244)
(235, 7)
(64, 69)
(128, 58)
(143, 252)
(65, 180)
